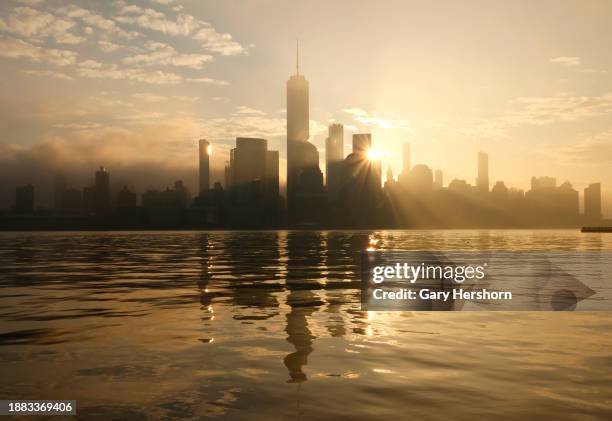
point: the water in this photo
(267, 325)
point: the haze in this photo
(133, 85)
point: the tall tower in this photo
(403, 177)
(101, 199)
(406, 158)
(334, 144)
(297, 125)
(205, 150)
(438, 180)
(303, 170)
(592, 202)
(334, 154)
(482, 182)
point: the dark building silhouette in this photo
(460, 186)
(101, 192)
(546, 204)
(306, 198)
(351, 196)
(72, 201)
(499, 192)
(406, 163)
(168, 208)
(360, 198)
(248, 161)
(24, 199)
(88, 200)
(298, 131)
(126, 198)
(272, 171)
(482, 181)
(420, 179)
(178, 197)
(204, 150)
(540, 183)
(592, 202)
(59, 188)
(253, 185)
(362, 143)
(334, 154)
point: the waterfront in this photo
(267, 325)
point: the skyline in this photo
(537, 109)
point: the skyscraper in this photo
(334, 144)
(297, 126)
(334, 154)
(592, 202)
(406, 165)
(205, 150)
(126, 198)
(420, 179)
(304, 177)
(101, 192)
(362, 142)
(59, 189)
(438, 180)
(249, 160)
(406, 158)
(482, 182)
(272, 185)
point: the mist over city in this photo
(306, 210)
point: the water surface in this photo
(267, 325)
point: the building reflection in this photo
(304, 252)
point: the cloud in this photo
(208, 80)
(591, 70)
(164, 55)
(241, 109)
(561, 107)
(47, 73)
(355, 111)
(17, 49)
(566, 61)
(92, 19)
(152, 98)
(31, 2)
(35, 25)
(373, 120)
(78, 126)
(107, 46)
(183, 25)
(594, 149)
(534, 111)
(95, 70)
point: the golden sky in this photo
(134, 84)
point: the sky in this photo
(132, 85)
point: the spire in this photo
(297, 56)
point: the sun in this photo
(373, 155)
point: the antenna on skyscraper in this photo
(297, 56)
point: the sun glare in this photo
(209, 149)
(374, 155)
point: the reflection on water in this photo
(268, 325)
